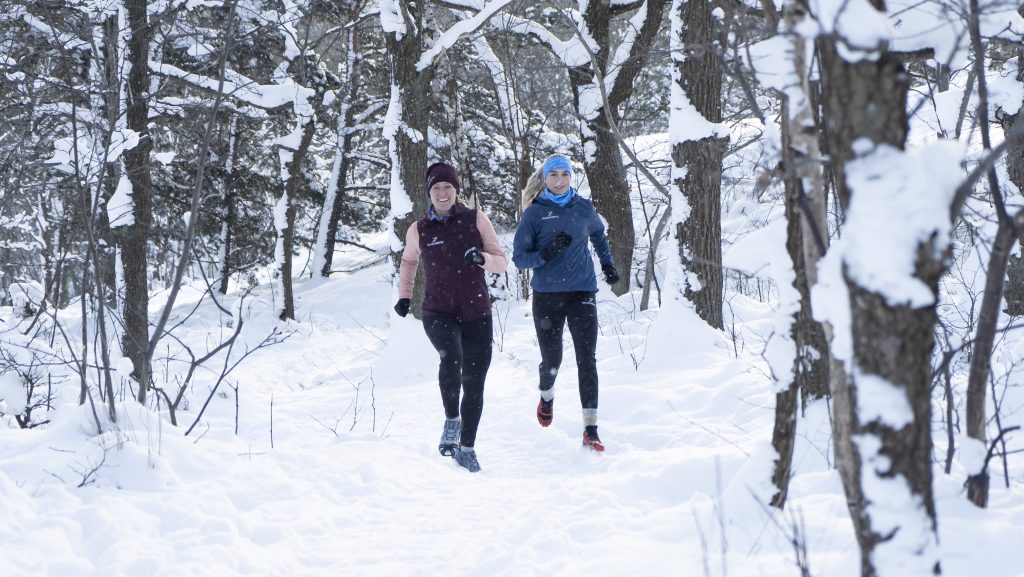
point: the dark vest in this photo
(454, 287)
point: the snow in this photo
(164, 158)
(1006, 93)
(401, 204)
(895, 512)
(772, 63)
(571, 52)
(25, 294)
(120, 207)
(879, 400)
(1002, 20)
(973, 453)
(900, 200)
(12, 393)
(922, 25)
(762, 253)
(861, 27)
(341, 474)
(391, 20)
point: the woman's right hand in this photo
(402, 307)
(555, 247)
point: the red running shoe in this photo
(592, 441)
(545, 412)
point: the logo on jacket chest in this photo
(435, 242)
(550, 215)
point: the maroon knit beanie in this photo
(441, 172)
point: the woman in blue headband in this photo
(552, 239)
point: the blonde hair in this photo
(535, 183)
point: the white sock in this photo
(548, 395)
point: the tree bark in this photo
(981, 358)
(805, 202)
(295, 179)
(700, 235)
(856, 108)
(135, 237)
(811, 363)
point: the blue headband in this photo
(557, 162)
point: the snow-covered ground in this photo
(334, 469)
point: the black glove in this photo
(611, 276)
(556, 246)
(474, 256)
(402, 307)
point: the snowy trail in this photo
(686, 430)
(356, 503)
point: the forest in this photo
(850, 172)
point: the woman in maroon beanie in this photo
(457, 245)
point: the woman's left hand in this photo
(474, 256)
(611, 276)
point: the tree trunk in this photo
(137, 166)
(230, 215)
(981, 357)
(610, 193)
(409, 111)
(894, 343)
(295, 179)
(891, 343)
(335, 199)
(856, 108)
(700, 161)
(988, 315)
(811, 363)
(808, 241)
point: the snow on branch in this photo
(237, 86)
(67, 40)
(511, 113)
(459, 30)
(392, 20)
(861, 27)
(910, 27)
(463, 4)
(571, 52)
(625, 48)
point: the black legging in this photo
(551, 311)
(465, 350)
